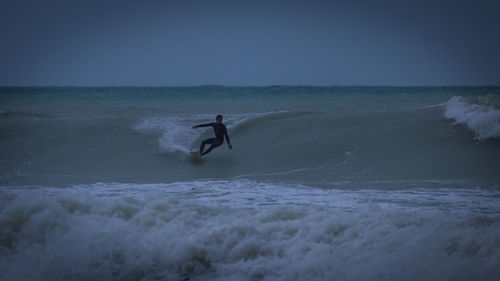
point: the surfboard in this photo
(195, 155)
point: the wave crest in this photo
(481, 114)
(176, 134)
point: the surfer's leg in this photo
(205, 142)
(214, 145)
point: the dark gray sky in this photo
(186, 42)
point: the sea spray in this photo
(480, 114)
(175, 132)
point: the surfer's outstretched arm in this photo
(202, 125)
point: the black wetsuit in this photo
(220, 131)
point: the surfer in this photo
(219, 130)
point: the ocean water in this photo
(322, 183)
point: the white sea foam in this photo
(176, 133)
(481, 115)
(245, 230)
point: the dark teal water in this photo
(313, 135)
(322, 183)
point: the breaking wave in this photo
(175, 132)
(480, 114)
(245, 230)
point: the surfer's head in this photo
(218, 118)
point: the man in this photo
(219, 130)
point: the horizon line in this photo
(240, 86)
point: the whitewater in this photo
(322, 183)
